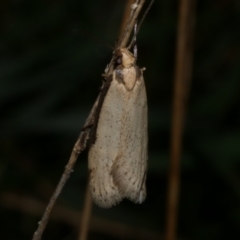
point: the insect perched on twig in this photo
(117, 157)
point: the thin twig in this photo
(84, 135)
(126, 14)
(183, 72)
(78, 148)
(132, 20)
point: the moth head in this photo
(125, 58)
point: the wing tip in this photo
(105, 197)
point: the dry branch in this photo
(183, 72)
(28, 205)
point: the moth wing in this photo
(104, 151)
(129, 169)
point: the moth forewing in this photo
(118, 158)
(129, 169)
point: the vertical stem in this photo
(126, 15)
(87, 209)
(183, 72)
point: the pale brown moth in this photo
(117, 158)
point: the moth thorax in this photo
(127, 58)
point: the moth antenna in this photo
(140, 24)
(134, 38)
(135, 41)
(144, 15)
(135, 51)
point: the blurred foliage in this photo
(50, 74)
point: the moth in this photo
(117, 160)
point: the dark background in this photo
(50, 74)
